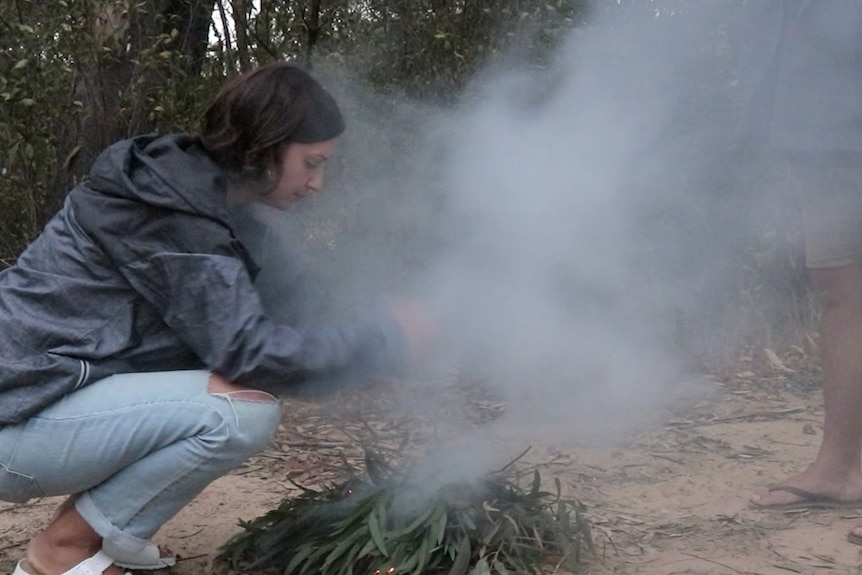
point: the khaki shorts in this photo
(831, 202)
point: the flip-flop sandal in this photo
(808, 500)
(147, 559)
(94, 565)
(854, 539)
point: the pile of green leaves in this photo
(490, 526)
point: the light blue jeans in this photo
(136, 448)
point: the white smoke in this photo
(546, 284)
(568, 225)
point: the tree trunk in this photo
(312, 27)
(241, 11)
(112, 87)
(192, 19)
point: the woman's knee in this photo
(255, 415)
(254, 421)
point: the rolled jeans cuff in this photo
(87, 509)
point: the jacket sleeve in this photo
(209, 301)
(192, 270)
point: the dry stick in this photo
(180, 559)
(315, 444)
(766, 414)
(512, 462)
(559, 564)
(714, 562)
(776, 413)
(785, 557)
(787, 568)
(17, 506)
(677, 461)
(786, 443)
(192, 534)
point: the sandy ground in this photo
(669, 498)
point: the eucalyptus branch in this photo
(390, 524)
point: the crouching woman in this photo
(138, 360)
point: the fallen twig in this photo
(671, 459)
(714, 562)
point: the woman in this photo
(137, 361)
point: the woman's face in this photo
(302, 172)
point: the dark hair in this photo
(257, 113)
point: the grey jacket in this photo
(142, 270)
(800, 76)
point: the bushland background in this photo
(76, 75)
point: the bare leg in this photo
(66, 504)
(837, 470)
(66, 541)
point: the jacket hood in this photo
(172, 172)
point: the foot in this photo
(855, 535)
(59, 559)
(98, 564)
(149, 558)
(825, 486)
(66, 541)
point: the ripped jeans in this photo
(136, 448)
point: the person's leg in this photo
(137, 447)
(150, 558)
(837, 470)
(831, 201)
(66, 541)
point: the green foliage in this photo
(37, 108)
(430, 48)
(76, 75)
(389, 524)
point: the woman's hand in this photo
(417, 325)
